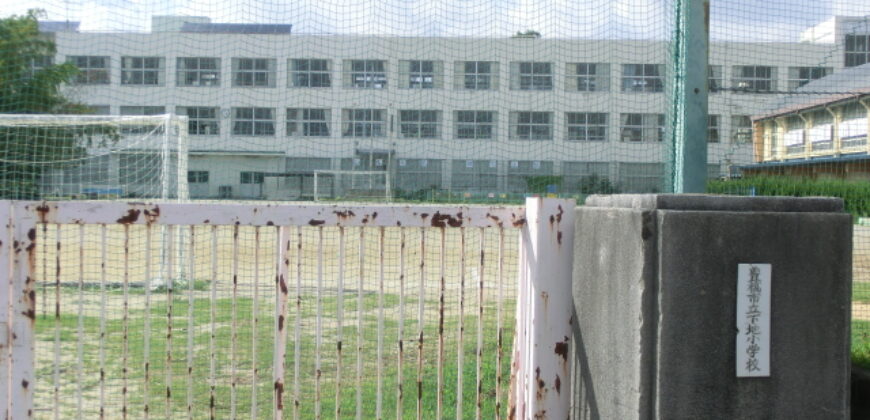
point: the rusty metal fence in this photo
(268, 311)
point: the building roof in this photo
(58, 26)
(819, 160)
(236, 28)
(846, 84)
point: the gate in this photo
(137, 310)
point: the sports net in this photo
(61, 157)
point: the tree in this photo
(31, 84)
(529, 33)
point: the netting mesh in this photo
(473, 101)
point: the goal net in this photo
(352, 185)
(67, 157)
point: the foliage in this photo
(529, 33)
(27, 152)
(538, 184)
(855, 194)
(595, 184)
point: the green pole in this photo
(689, 119)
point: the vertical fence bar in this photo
(125, 320)
(56, 362)
(297, 334)
(281, 295)
(170, 285)
(339, 320)
(233, 329)
(379, 359)
(544, 325)
(255, 321)
(499, 353)
(212, 379)
(421, 301)
(359, 321)
(319, 323)
(439, 389)
(191, 283)
(478, 392)
(23, 312)
(103, 298)
(460, 359)
(80, 327)
(401, 328)
(146, 334)
(5, 333)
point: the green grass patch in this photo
(861, 292)
(861, 343)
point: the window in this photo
(857, 50)
(202, 121)
(142, 110)
(531, 76)
(476, 75)
(583, 126)
(641, 127)
(474, 175)
(416, 74)
(365, 74)
(413, 175)
(93, 70)
(741, 129)
(642, 78)
(587, 178)
(198, 71)
(520, 172)
(588, 77)
(197, 177)
(308, 122)
(527, 125)
(712, 129)
(363, 122)
(309, 73)
(475, 124)
(142, 71)
(247, 178)
(754, 78)
(641, 177)
(38, 63)
(423, 124)
(253, 72)
(253, 121)
(799, 76)
(714, 79)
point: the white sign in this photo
(753, 320)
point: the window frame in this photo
(587, 77)
(715, 78)
(196, 177)
(479, 80)
(363, 122)
(853, 53)
(322, 75)
(650, 79)
(585, 125)
(371, 78)
(302, 122)
(714, 126)
(518, 122)
(143, 71)
(411, 69)
(801, 75)
(741, 82)
(649, 122)
(252, 178)
(259, 77)
(478, 127)
(255, 121)
(197, 124)
(91, 73)
(413, 125)
(532, 75)
(201, 73)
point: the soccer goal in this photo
(352, 185)
(67, 157)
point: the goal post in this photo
(93, 156)
(352, 185)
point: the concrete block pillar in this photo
(655, 292)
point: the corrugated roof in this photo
(805, 162)
(845, 84)
(236, 28)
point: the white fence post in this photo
(541, 365)
(5, 286)
(22, 313)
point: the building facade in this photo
(479, 116)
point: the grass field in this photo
(225, 331)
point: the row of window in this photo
(427, 124)
(423, 74)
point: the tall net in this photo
(475, 101)
(59, 157)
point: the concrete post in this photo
(656, 298)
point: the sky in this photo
(739, 20)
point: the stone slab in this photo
(706, 202)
